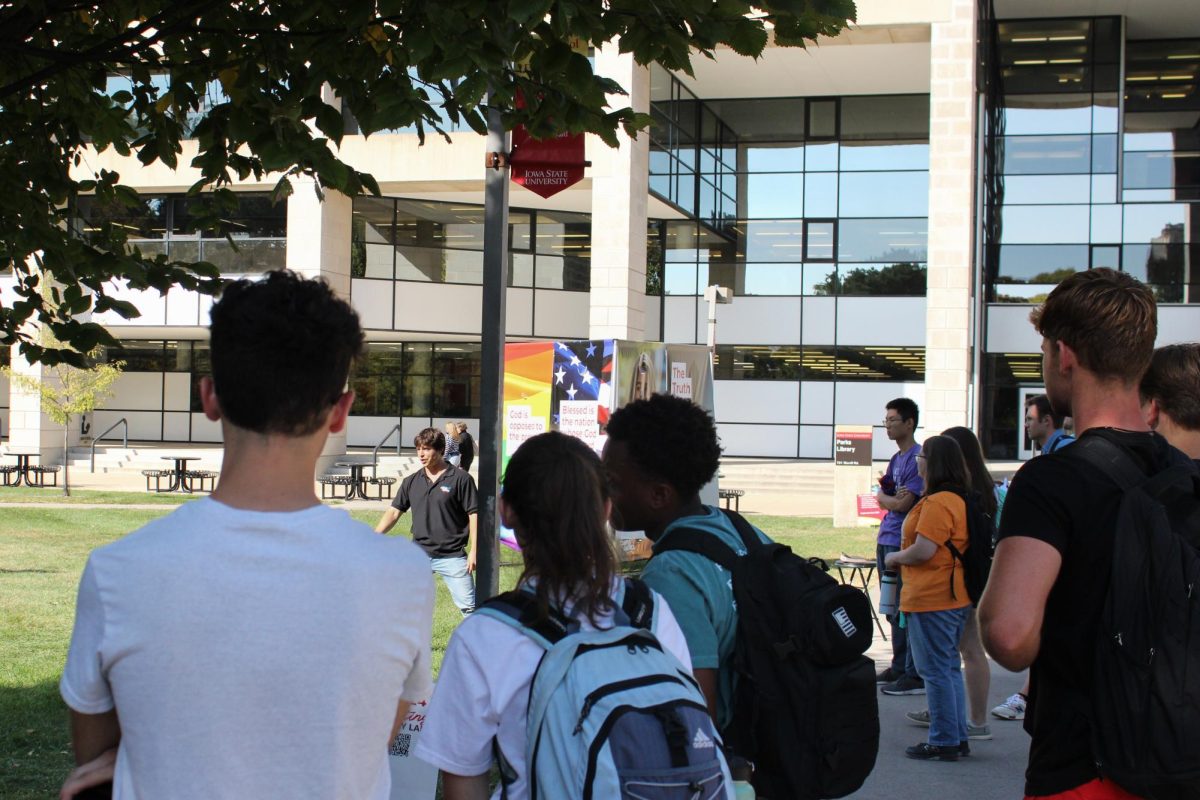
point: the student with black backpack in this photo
(1093, 585)
(576, 684)
(775, 642)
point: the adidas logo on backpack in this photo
(612, 714)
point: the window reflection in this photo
(892, 240)
(883, 194)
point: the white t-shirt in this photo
(251, 654)
(483, 692)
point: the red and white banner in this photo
(546, 166)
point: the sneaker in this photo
(919, 717)
(964, 749)
(905, 685)
(1012, 708)
(932, 752)
(977, 732)
(888, 675)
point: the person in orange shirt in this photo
(934, 595)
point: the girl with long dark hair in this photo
(555, 500)
(934, 594)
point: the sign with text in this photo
(411, 777)
(681, 380)
(852, 448)
(868, 506)
(546, 166)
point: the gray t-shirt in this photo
(251, 654)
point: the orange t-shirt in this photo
(938, 517)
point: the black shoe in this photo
(964, 749)
(932, 752)
(905, 685)
(888, 675)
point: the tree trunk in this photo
(66, 460)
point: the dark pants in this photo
(902, 660)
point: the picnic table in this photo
(357, 486)
(179, 477)
(31, 474)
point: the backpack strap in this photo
(702, 543)
(520, 610)
(638, 604)
(1110, 459)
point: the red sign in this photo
(546, 166)
(868, 506)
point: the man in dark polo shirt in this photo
(443, 499)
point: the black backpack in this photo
(976, 561)
(1145, 707)
(805, 709)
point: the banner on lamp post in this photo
(546, 166)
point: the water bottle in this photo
(889, 596)
(741, 770)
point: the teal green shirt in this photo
(700, 594)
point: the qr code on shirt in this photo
(400, 745)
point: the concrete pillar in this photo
(620, 186)
(318, 244)
(949, 311)
(31, 430)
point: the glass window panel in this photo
(1104, 153)
(255, 217)
(762, 120)
(1106, 223)
(1041, 264)
(770, 240)
(184, 250)
(179, 356)
(885, 117)
(1106, 256)
(416, 398)
(1045, 224)
(822, 119)
(871, 156)
(419, 264)
(1040, 114)
(785, 157)
(456, 396)
(880, 363)
(883, 194)
(1007, 292)
(902, 279)
(520, 269)
(1152, 222)
(775, 195)
(417, 358)
(1047, 155)
(1148, 195)
(661, 185)
(138, 356)
(821, 157)
(249, 257)
(757, 363)
(821, 194)
(1037, 189)
(1161, 170)
(819, 240)
(1163, 265)
(1154, 139)
(1104, 188)
(819, 279)
(771, 279)
(679, 278)
(892, 240)
(374, 219)
(1105, 114)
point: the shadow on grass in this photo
(35, 748)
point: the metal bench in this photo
(731, 495)
(330, 484)
(157, 475)
(10, 474)
(195, 479)
(42, 472)
(381, 483)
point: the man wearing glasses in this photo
(899, 489)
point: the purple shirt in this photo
(902, 469)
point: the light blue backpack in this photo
(612, 714)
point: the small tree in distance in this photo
(71, 391)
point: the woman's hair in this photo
(977, 471)
(554, 487)
(451, 431)
(945, 467)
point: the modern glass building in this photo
(886, 208)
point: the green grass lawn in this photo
(42, 552)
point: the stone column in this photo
(620, 185)
(949, 315)
(29, 429)
(318, 244)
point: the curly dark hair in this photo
(671, 439)
(282, 348)
(430, 437)
(554, 485)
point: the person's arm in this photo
(388, 520)
(900, 502)
(916, 553)
(401, 715)
(1014, 603)
(472, 544)
(707, 678)
(464, 787)
(95, 738)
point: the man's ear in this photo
(341, 410)
(1067, 360)
(208, 399)
(1153, 413)
(663, 496)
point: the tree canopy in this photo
(261, 86)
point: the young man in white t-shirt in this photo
(254, 643)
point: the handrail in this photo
(124, 438)
(375, 452)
